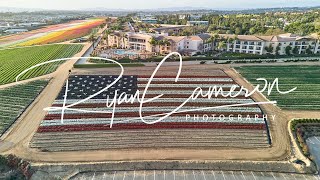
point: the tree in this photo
(213, 39)
(222, 45)
(238, 31)
(153, 41)
(308, 50)
(278, 50)
(295, 50)
(92, 38)
(269, 49)
(288, 50)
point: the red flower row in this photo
(141, 76)
(188, 82)
(153, 104)
(225, 89)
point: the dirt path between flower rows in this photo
(18, 139)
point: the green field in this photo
(305, 78)
(15, 100)
(14, 61)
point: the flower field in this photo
(86, 130)
(52, 34)
(14, 61)
(15, 100)
(305, 78)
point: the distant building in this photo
(182, 16)
(170, 29)
(195, 17)
(14, 31)
(149, 20)
(197, 23)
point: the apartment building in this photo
(201, 43)
(118, 40)
(257, 44)
(139, 41)
(188, 45)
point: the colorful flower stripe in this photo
(136, 114)
(164, 109)
(183, 88)
(150, 104)
(61, 35)
(189, 77)
(167, 100)
(187, 82)
(10, 39)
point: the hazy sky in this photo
(146, 4)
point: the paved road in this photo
(92, 47)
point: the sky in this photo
(152, 4)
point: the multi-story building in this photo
(269, 44)
(118, 40)
(206, 42)
(139, 42)
(202, 43)
(197, 23)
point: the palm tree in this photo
(222, 45)
(213, 38)
(92, 38)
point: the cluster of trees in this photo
(289, 50)
(162, 42)
(301, 23)
(192, 30)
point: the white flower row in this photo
(161, 109)
(129, 120)
(189, 79)
(189, 92)
(191, 85)
(199, 100)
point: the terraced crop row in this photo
(14, 61)
(15, 100)
(305, 78)
(95, 140)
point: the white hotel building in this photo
(197, 44)
(256, 44)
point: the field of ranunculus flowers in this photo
(52, 34)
